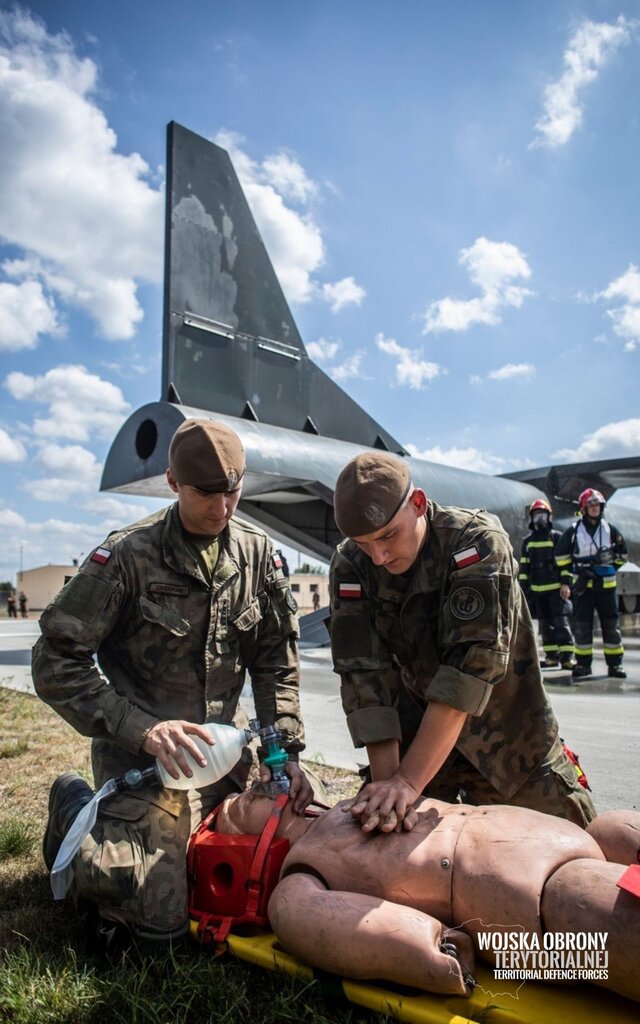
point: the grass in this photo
(47, 974)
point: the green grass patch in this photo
(17, 837)
(13, 749)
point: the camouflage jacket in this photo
(169, 645)
(456, 631)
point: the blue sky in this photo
(449, 192)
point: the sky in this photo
(448, 191)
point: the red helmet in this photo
(540, 505)
(589, 497)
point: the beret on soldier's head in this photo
(207, 455)
(369, 491)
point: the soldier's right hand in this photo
(169, 740)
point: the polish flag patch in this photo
(277, 561)
(466, 557)
(349, 591)
(101, 555)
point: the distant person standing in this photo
(588, 555)
(22, 600)
(540, 580)
(12, 611)
(316, 600)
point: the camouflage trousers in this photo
(133, 868)
(552, 787)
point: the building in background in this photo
(304, 585)
(41, 585)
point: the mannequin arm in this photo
(365, 937)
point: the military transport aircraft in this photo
(231, 350)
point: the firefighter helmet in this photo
(540, 505)
(589, 497)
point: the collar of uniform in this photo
(180, 558)
(227, 565)
(426, 574)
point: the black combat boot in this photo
(581, 672)
(616, 672)
(569, 663)
(69, 794)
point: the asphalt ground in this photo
(599, 718)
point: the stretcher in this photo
(492, 1002)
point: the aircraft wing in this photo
(567, 481)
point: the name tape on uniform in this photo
(466, 557)
(349, 591)
(101, 555)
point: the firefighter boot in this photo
(549, 661)
(616, 672)
(581, 672)
(68, 796)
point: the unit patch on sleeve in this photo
(466, 603)
(101, 555)
(350, 591)
(466, 557)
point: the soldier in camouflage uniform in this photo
(177, 607)
(437, 656)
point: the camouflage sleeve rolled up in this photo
(274, 665)
(64, 671)
(370, 681)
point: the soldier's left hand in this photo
(385, 805)
(300, 791)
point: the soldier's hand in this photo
(565, 592)
(168, 741)
(300, 791)
(385, 805)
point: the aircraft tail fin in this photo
(230, 341)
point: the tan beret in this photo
(369, 492)
(207, 455)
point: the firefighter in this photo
(540, 580)
(588, 554)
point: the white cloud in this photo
(85, 215)
(11, 520)
(509, 371)
(589, 49)
(116, 513)
(293, 240)
(612, 441)
(343, 293)
(464, 458)
(288, 176)
(11, 450)
(68, 470)
(25, 313)
(492, 266)
(352, 367)
(80, 403)
(411, 370)
(323, 349)
(626, 317)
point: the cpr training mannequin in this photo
(367, 905)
